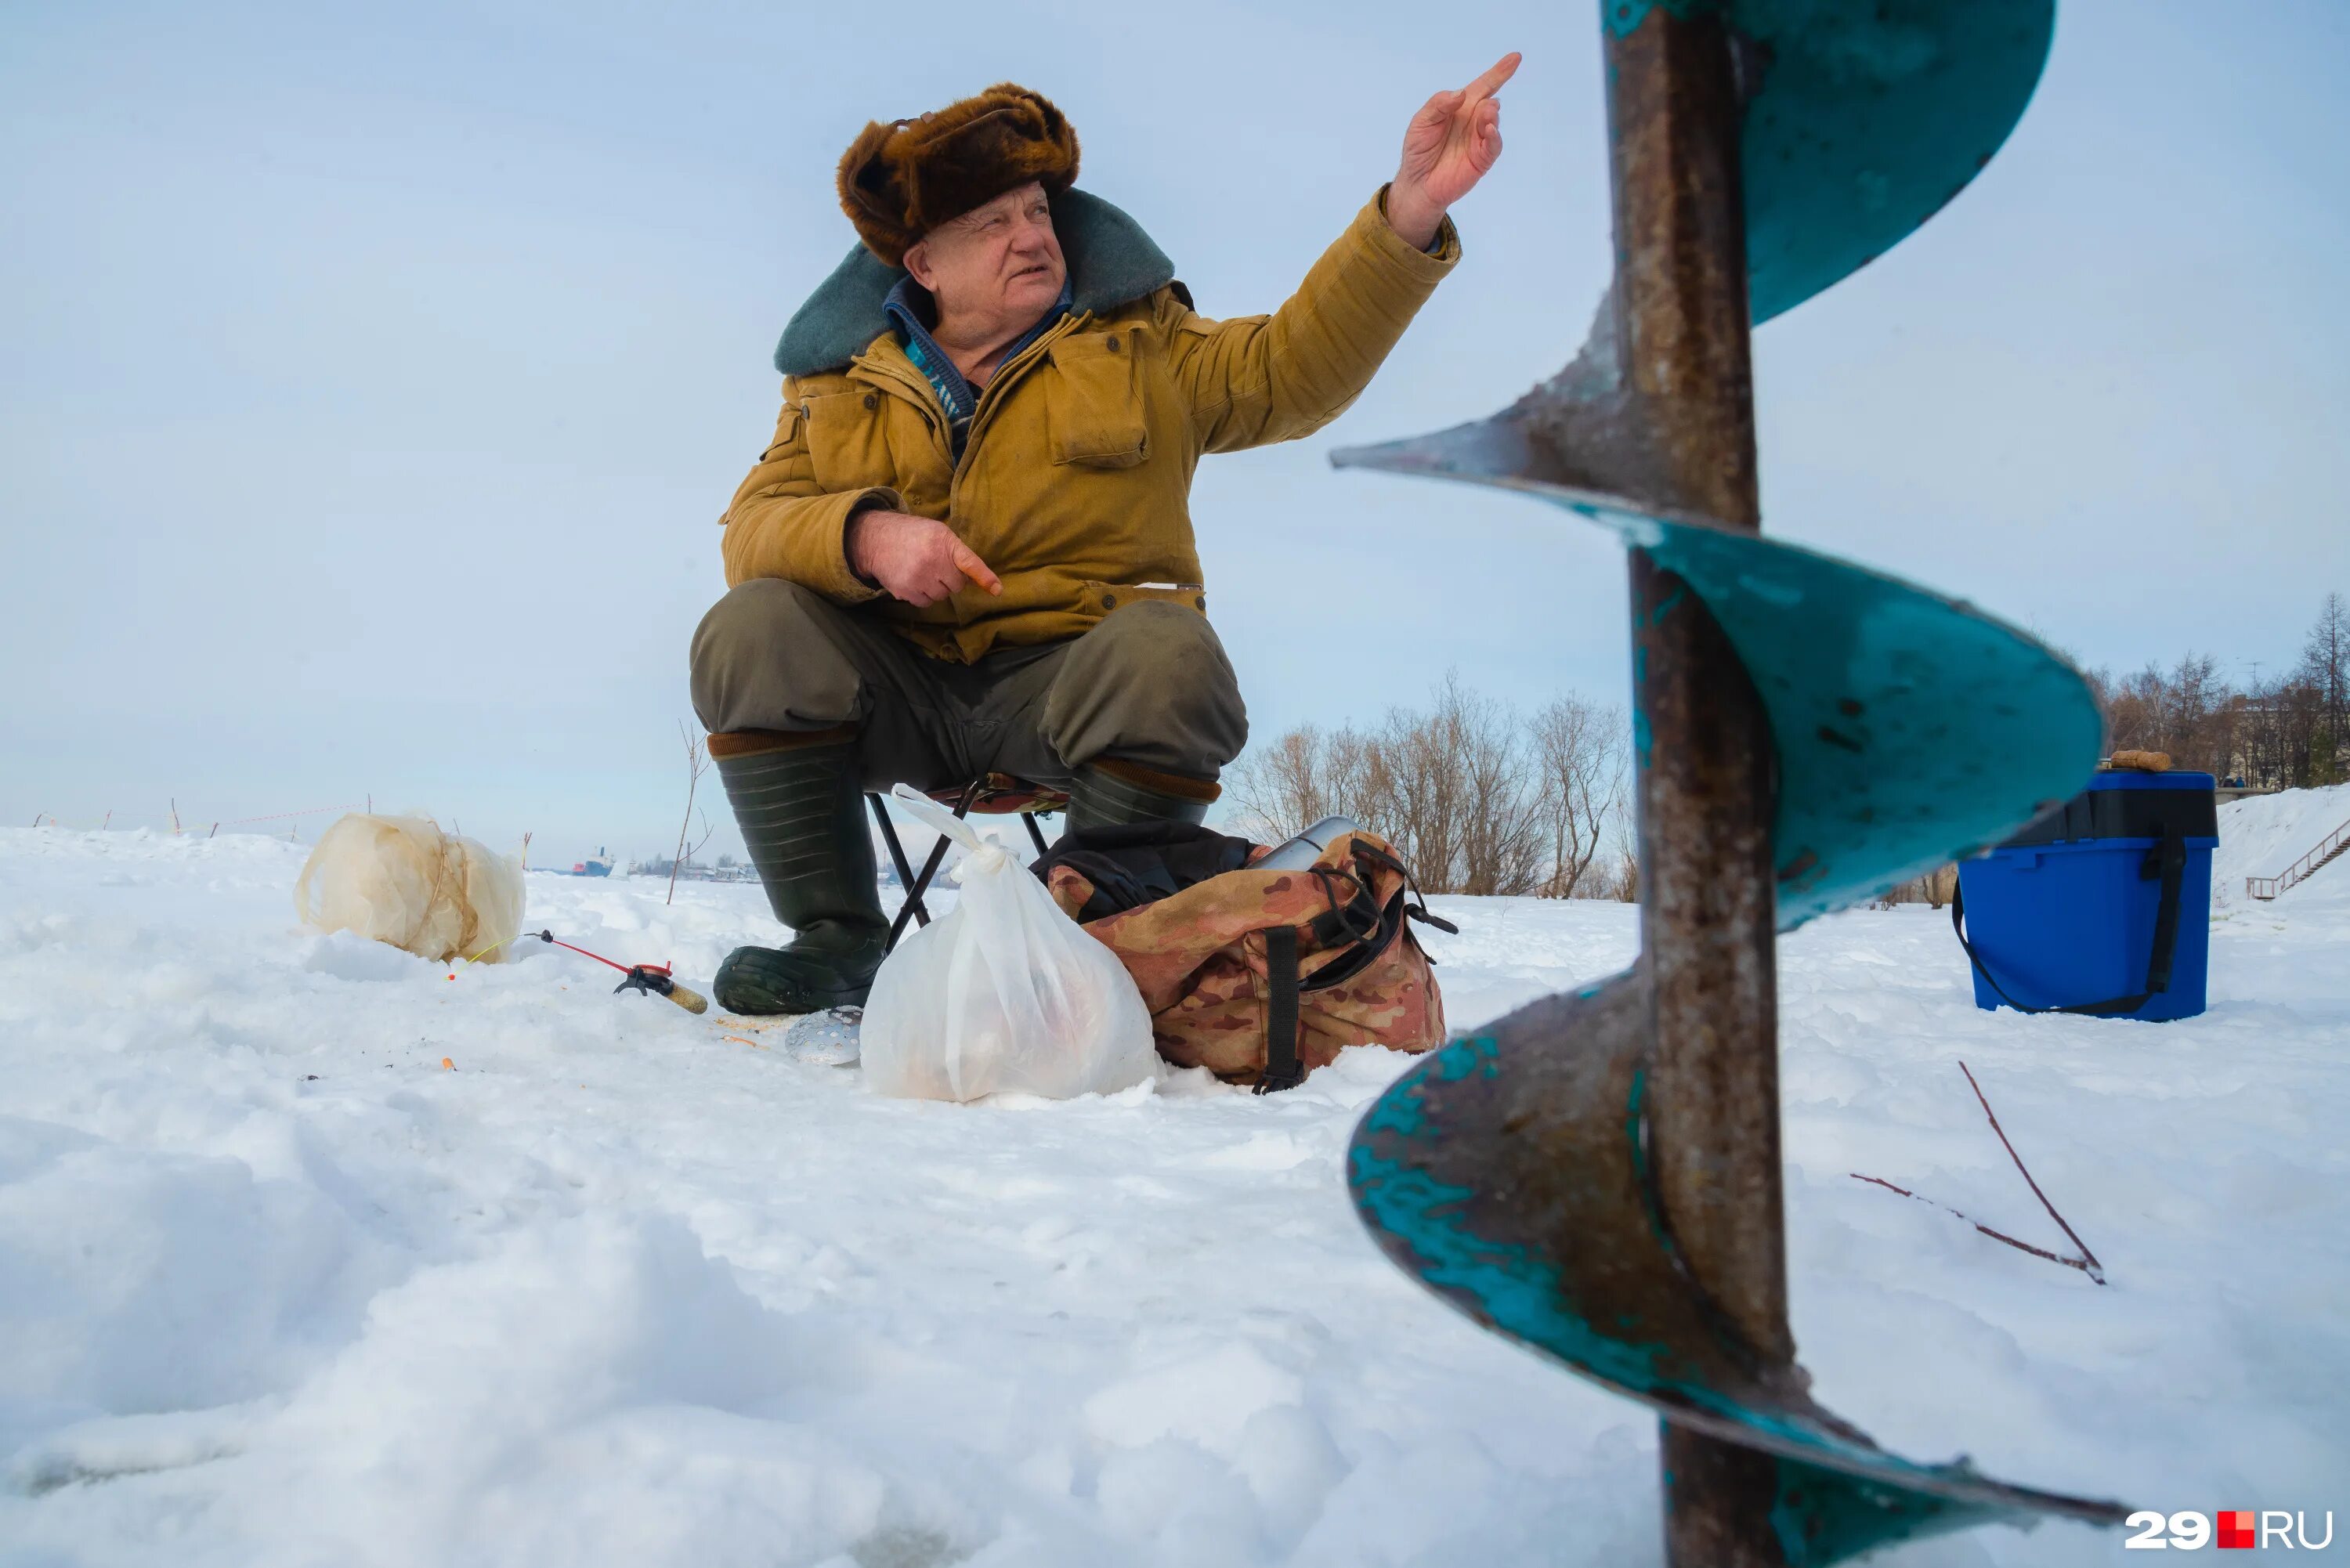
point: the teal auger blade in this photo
(1864, 118)
(1512, 1172)
(1911, 728)
(1508, 1172)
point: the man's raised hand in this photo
(916, 559)
(1449, 145)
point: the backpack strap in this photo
(2173, 869)
(1282, 1069)
(2168, 860)
(1418, 907)
(1354, 922)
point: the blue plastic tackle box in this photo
(2102, 906)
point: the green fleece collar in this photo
(1111, 261)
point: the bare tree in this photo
(1579, 747)
(1283, 788)
(2184, 712)
(1497, 791)
(1463, 789)
(2325, 669)
(697, 762)
(1361, 783)
(1452, 787)
(2273, 734)
(1306, 775)
(1419, 806)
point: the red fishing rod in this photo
(652, 978)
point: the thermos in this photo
(1305, 849)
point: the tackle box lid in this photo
(2126, 803)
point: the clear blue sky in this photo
(370, 380)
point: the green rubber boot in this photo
(1109, 792)
(803, 820)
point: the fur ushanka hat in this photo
(899, 181)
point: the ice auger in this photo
(1597, 1175)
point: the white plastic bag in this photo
(401, 880)
(1003, 992)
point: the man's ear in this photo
(917, 262)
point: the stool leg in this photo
(1036, 834)
(929, 869)
(898, 859)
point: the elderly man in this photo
(968, 547)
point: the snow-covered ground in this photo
(2264, 834)
(625, 1286)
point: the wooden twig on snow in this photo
(2089, 1263)
(2086, 1262)
(2079, 1264)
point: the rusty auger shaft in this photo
(1704, 786)
(1599, 1175)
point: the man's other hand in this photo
(1449, 145)
(916, 559)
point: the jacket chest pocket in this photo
(1096, 403)
(846, 439)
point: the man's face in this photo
(996, 265)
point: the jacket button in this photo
(1110, 601)
(872, 400)
(1201, 602)
(1113, 342)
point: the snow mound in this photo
(2261, 835)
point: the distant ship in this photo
(596, 865)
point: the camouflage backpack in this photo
(1258, 976)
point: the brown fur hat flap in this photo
(901, 181)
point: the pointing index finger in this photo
(1489, 84)
(968, 562)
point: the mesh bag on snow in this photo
(401, 880)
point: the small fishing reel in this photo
(654, 980)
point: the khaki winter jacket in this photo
(1076, 479)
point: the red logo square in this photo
(2235, 1529)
